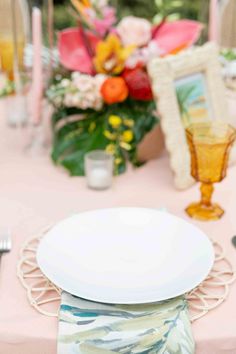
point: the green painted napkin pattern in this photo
(87, 327)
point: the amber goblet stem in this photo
(206, 194)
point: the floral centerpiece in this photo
(104, 99)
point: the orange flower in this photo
(114, 90)
(81, 6)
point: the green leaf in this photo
(159, 3)
(74, 138)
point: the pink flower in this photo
(103, 24)
(73, 52)
(134, 30)
(171, 37)
(143, 55)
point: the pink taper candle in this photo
(214, 21)
(37, 76)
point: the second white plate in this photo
(125, 255)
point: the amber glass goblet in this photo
(210, 144)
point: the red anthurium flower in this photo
(174, 36)
(74, 55)
(138, 83)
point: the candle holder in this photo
(16, 110)
(14, 35)
(37, 133)
(99, 169)
(37, 145)
(42, 63)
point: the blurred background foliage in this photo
(155, 10)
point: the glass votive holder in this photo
(16, 110)
(99, 169)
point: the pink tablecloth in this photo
(33, 192)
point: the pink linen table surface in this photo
(34, 193)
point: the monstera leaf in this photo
(76, 132)
(73, 139)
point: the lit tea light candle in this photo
(99, 178)
(99, 169)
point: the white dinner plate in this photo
(125, 255)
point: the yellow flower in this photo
(115, 121)
(111, 55)
(129, 123)
(118, 161)
(127, 136)
(125, 146)
(110, 148)
(109, 135)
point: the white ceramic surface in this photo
(125, 255)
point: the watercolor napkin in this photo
(87, 327)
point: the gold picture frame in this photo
(173, 76)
